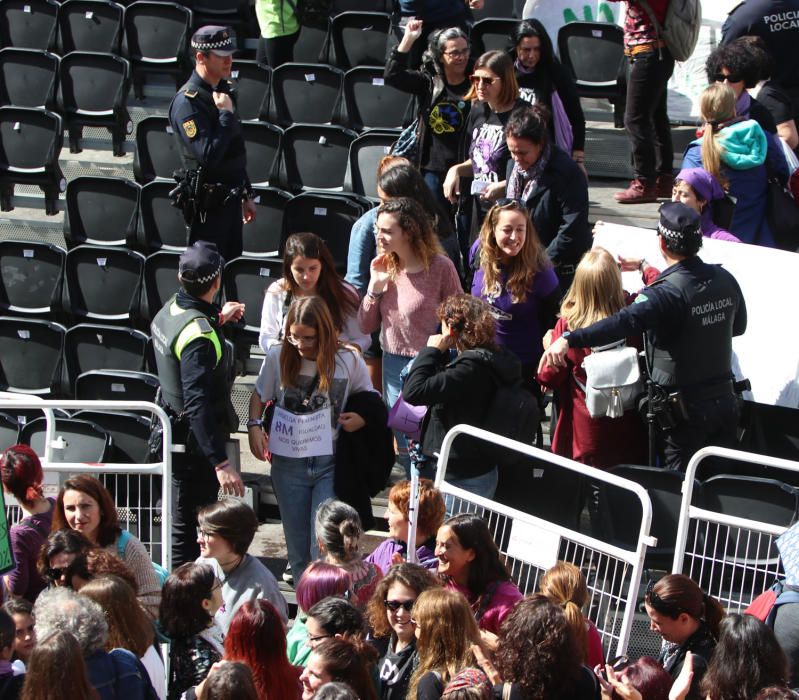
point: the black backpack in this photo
(513, 412)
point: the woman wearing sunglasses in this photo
(389, 613)
(688, 620)
(309, 377)
(494, 96)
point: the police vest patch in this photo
(190, 128)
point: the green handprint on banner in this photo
(604, 14)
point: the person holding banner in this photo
(689, 315)
(307, 379)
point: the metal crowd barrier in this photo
(732, 558)
(142, 492)
(531, 544)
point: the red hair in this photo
(21, 472)
(257, 637)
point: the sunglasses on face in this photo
(731, 78)
(55, 574)
(485, 80)
(394, 605)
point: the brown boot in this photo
(639, 192)
(664, 185)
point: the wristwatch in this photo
(255, 423)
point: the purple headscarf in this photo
(707, 188)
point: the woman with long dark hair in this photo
(543, 80)
(310, 376)
(22, 477)
(309, 270)
(347, 660)
(257, 637)
(56, 665)
(468, 562)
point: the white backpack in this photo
(613, 380)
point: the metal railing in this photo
(531, 544)
(732, 558)
(142, 492)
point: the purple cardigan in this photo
(27, 537)
(385, 550)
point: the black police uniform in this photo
(690, 314)
(195, 372)
(212, 139)
(777, 23)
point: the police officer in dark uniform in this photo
(689, 315)
(195, 372)
(777, 23)
(215, 193)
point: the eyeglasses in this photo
(731, 78)
(485, 80)
(55, 574)
(662, 606)
(297, 340)
(203, 535)
(394, 605)
(457, 53)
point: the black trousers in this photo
(711, 421)
(194, 485)
(222, 226)
(646, 115)
(277, 50)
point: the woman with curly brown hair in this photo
(389, 613)
(459, 390)
(445, 633)
(537, 656)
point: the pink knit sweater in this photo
(406, 313)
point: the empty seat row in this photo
(153, 36)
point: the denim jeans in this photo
(392, 385)
(301, 484)
(646, 116)
(484, 485)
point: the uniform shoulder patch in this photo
(190, 128)
(191, 94)
(203, 325)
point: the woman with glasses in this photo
(309, 270)
(309, 378)
(456, 376)
(226, 530)
(389, 614)
(494, 95)
(61, 555)
(191, 597)
(440, 87)
(85, 505)
(543, 80)
(409, 278)
(21, 473)
(334, 616)
(688, 620)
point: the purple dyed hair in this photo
(321, 580)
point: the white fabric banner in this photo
(301, 434)
(768, 353)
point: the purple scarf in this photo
(521, 182)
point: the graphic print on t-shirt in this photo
(527, 94)
(446, 117)
(488, 144)
(293, 397)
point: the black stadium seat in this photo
(28, 78)
(75, 440)
(245, 280)
(370, 103)
(93, 91)
(30, 143)
(101, 211)
(32, 356)
(306, 92)
(492, 34)
(31, 278)
(116, 385)
(90, 25)
(161, 226)
(359, 38)
(264, 148)
(103, 284)
(157, 154)
(160, 281)
(129, 433)
(28, 24)
(262, 237)
(156, 36)
(315, 156)
(9, 431)
(252, 82)
(365, 154)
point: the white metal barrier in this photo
(732, 558)
(142, 492)
(531, 545)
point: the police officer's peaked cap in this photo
(214, 38)
(200, 263)
(678, 222)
